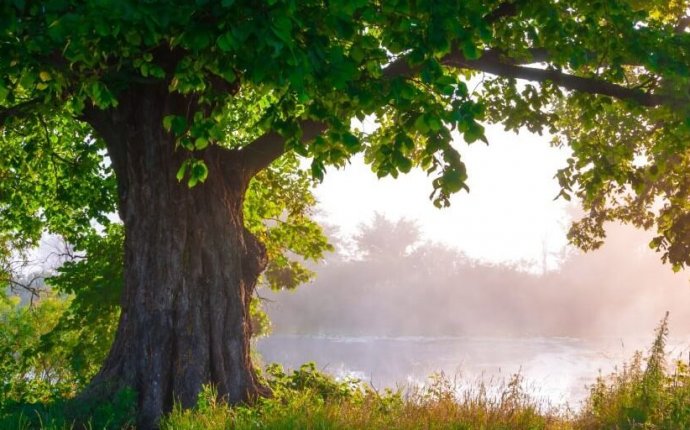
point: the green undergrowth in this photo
(309, 399)
(71, 414)
(647, 393)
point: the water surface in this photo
(556, 370)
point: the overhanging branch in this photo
(264, 150)
(21, 109)
(267, 148)
(491, 62)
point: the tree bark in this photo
(190, 266)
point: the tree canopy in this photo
(284, 75)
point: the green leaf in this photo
(167, 122)
(403, 163)
(199, 172)
(178, 125)
(474, 132)
(200, 143)
(225, 42)
(421, 125)
(181, 171)
(27, 79)
(282, 27)
(228, 74)
(433, 122)
(351, 142)
(470, 51)
(453, 179)
(317, 170)
(186, 142)
(4, 92)
(100, 94)
(357, 53)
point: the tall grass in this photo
(645, 394)
(308, 399)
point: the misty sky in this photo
(509, 215)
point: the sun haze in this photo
(509, 215)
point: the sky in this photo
(509, 215)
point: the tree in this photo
(169, 112)
(385, 238)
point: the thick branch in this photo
(504, 10)
(492, 63)
(21, 109)
(401, 68)
(264, 150)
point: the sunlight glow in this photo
(509, 216)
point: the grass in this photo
(645, 394)
(306, 399)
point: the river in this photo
(555, 370)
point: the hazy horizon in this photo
(397, 283)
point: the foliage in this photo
(26, 374)
(277, 209)
(308, 378)
(45, 359)
(251, 69)
(68, 414)
(305, 61)
(630, 163)
(641, 396)
(93, 282)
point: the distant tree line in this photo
(391, 282)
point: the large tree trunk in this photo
(190, 266)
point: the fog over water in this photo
(393, 309)
(391, 283)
